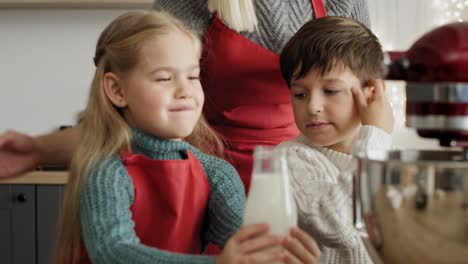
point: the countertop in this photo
(38, 177)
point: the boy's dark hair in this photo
(324, 43)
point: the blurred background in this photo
(398, 24)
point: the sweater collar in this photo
(341, 160)
(157, 148)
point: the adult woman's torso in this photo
(278, 20)
(247, 101)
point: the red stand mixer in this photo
(412, 205)
(437, 92)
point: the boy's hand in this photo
(301, 247)
(18, 154)
(248, 246)
(374, 108)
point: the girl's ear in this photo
(114, 89)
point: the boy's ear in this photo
(114, 89)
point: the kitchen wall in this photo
(398, 23)
(46, 65)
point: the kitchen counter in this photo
(38, 177)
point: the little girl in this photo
(142, 189)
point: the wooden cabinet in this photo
(17, 224)
(29, 215)
(48, 204)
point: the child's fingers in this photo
(379, 88)
(261, 242)
(291, 259)
(250, 231)
(359, 97)
(276, 255)
(307, 241)
(297, 252)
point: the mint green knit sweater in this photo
(108, 193)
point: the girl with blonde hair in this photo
(142, 188)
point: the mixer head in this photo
(437, 91)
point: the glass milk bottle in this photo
(270, 199)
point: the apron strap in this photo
(125, 154)
(319, 8)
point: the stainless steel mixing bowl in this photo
(412, 205)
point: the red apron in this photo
(171, 199)
(247, 100)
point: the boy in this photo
(326, 65)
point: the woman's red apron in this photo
(247, 100)
(171, 199)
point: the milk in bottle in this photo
(270, 199)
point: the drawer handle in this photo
(21, 198)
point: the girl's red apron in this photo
(247, 100)
(170, 203)
(171, 200)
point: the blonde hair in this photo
(103, 129)
(237, 14)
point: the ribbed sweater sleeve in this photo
(106, 223)
(321, 180)
(227, 199)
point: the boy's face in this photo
(324, 108)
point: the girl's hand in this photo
(374, 108)
(301, 247)
(248, 244)
(18, 154)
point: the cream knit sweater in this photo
(322, 180)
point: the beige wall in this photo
(398, 23)
(46, 65)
